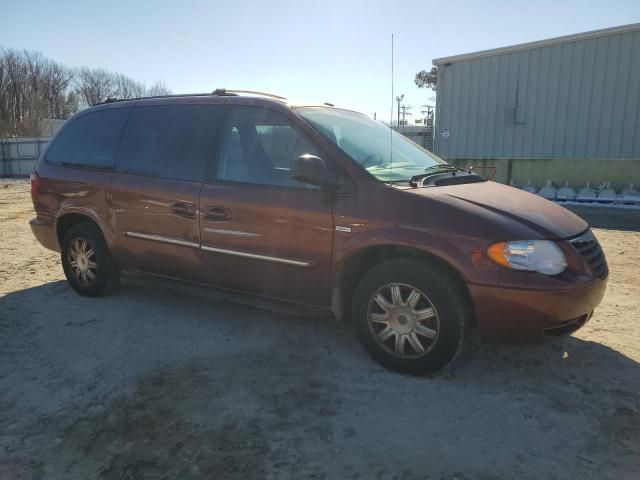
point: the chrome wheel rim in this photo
(403, 320)
(82, 259)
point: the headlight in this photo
(541, 256)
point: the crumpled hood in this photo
(547, 218)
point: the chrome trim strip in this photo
(255, 256)
(236, 233)
(160, 238)
(185, 243)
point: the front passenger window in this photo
(259, 146)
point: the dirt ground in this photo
(161, 380)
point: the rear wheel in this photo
(410, 317)
(86, 261)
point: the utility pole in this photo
(428, 127)
(405, 113)
(399, 99)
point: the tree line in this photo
(33, 87)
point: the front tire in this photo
(410, 316)
(86, 261)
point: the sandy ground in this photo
(162, 380)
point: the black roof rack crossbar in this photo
(223, 92)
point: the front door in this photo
(261, 231)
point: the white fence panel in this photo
(18, 156)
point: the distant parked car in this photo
(314, 205)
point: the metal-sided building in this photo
(562, 109)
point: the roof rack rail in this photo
(173, 95)
(224, 91)
(221, 92)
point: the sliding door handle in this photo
(217, 213)
(184, 208)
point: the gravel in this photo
(163, 380)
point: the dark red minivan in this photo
(314, 205)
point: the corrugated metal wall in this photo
(579, 99)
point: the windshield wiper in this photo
(445, 167)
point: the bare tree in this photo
(95, 85)
(127, 87)
(56, 85)
(158, 89)
(14, 92)
(70, 105)
(33, 87)
(33, 102)
(98, 85)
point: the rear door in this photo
(154, 193)
(261, 231)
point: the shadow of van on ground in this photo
(165, 379)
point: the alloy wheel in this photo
(82, 259)
(403, 320)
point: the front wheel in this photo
(410, 317)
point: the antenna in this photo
(391, 118)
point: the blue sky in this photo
(331, 50)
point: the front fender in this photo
(466, 255)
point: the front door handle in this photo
(217, 213)
(184, 208)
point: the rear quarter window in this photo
(91, 140)
(169, 141)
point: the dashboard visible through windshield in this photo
(383, 152)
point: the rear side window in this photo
(169, 141)
(90, 140)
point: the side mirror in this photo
(311, 169)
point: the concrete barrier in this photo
(577, 171)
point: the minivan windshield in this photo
(383, 152)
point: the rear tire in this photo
(411, 316)
(87, 262)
